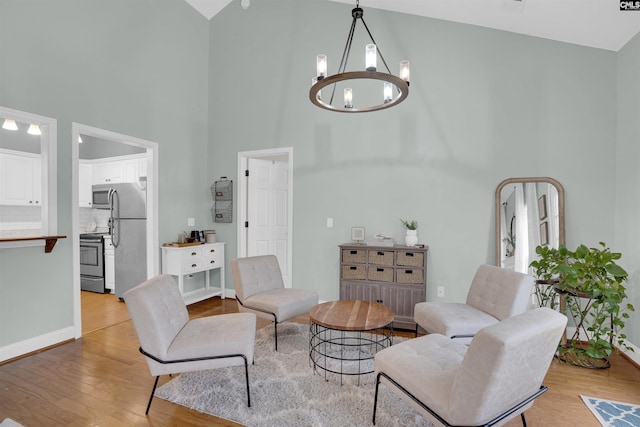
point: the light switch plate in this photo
(191, 222)
(329, 222)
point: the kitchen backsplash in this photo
(89, 216)
(25, 220)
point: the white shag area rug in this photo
(285, 391)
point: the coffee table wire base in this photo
(346, 352)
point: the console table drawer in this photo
(354, 256)
(381, 257)
(354, 272)
(192, 265)
(380, 274)
(191, 254)
(410, 259)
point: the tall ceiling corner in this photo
(208, 8)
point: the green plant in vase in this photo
(411, 239)
(590, 283)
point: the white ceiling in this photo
(594, 23)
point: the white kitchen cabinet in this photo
(108, 172)
(109, 265)
(182, 261)
(85, 180)
(21, 182)
(114, 170)
(130, 170)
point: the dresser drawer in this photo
(380, 274)
(354, 272)
(410, 259)
(409, 275)
(354, 256)
(381, 257)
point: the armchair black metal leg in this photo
(155, 384)
(375, 399)
(416, 330)
(275, 326)
(246, 375)
(524, 422)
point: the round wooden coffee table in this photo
(345, 335)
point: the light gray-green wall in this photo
(627, 175)
(484, 105)
(133, 67)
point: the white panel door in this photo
(267, 211)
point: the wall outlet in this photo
(329, 222)
(191, 222)
(440, 291)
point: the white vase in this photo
(411, 239)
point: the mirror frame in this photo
(498, 209)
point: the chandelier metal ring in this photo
(372, 52)
(401, 85)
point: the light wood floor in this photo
(102, 380)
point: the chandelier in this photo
(393, 90)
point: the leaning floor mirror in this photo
(529, 212)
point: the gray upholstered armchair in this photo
(495, 294)
(173, 344)
(494, 379)
(260, 290)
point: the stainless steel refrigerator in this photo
(127, 204)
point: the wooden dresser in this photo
(395, 276)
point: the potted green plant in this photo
(411, 239)
(590, 285)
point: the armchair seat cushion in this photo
(425, 366)
(215, 336)
(451, 318)
(285, 303)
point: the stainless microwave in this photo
(100, 196)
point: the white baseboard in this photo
(633, 355)
(36, 343)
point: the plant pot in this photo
(411, 239)
(574, 354)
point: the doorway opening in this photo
(112, 142)
(265, 206)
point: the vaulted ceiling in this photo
(593, 23)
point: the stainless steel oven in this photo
(92, 263)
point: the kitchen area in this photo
(112, 216)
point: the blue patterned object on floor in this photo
(613, 414)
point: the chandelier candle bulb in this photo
(388, 92)
(370, 57)
(321, 66)
(405, 71)
(348, 98)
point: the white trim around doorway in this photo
(152, 204)
(241, 212)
